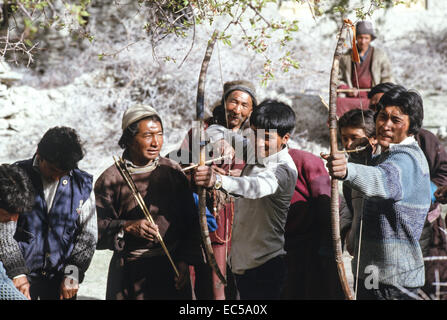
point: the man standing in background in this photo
(374, 66)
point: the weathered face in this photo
(146, 145)
(238, 108)
(391, 126)
(49, 170)
(363, 41)
(375, 100)
(268, 142)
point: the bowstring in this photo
(220, 64)
(225, 106)
(361, 217)
(222, 83)
(227, 236)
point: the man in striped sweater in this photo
(396, 187)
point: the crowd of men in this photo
(268, 206)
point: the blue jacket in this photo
(46, 239)
(211, 221)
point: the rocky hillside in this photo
(69, 85)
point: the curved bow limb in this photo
(200, 112)
(335, 219)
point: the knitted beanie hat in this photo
(240, 85)
(137, 112)
(365, 27)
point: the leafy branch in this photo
(249, 22)
(23, 20)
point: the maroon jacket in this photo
(436, 156)
(309, 212)
(312, 273)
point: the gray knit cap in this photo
(137, 112)
(365, 27)
(240, 85)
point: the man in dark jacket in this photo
(140, 269)
(51, 246)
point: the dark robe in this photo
(433, 240)
(436, 156)
(139, 268)
(363, 73)
(311, 268)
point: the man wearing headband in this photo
(224, 137)
(140, 269)
(238, 101)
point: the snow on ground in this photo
(95, 281)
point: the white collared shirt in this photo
(265, 190)
(407, 140)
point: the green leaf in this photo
(28, 42)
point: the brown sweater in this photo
(169, 199)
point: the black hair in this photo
(383, 88)
(272, 114)
(358, 118)
(16, 189)
(132, 130)
(409, 102)
(61, 147)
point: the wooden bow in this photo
(200, 113)
(335, 221)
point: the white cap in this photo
(137, 112)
